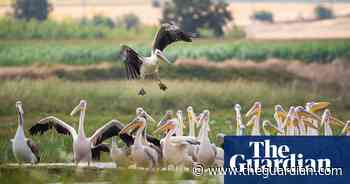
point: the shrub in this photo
(265, 16)
(236, 32)
(31, 9)
(130, 21)
(191, 15)
(323, 12)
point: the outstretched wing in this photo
(34, 147)
(110, 129)
(132, 62)
(96, 151)
(169, 33)
(52, 122)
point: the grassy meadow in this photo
(51, 66)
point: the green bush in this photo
(323, 12)
(130, 21)
(265, 16)
(96, 28)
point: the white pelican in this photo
(280, 115)
(192, 120)
(206, 152)
(326, 123)
(180, 125)
(121, 156)
(269, 128)
(290, 123)
(84, 148)
(24, 150)
(314, 107)
(138, 67)
(175, 149)
(255, 114)
(346, 129)
(142, 152)
(239, 123)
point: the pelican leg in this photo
(142, 92)
(162, 86)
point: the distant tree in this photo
(323, 12)
(130, 21)
(100, 20)
(31, 9)
(263, 15)
(192, 15)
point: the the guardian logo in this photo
(286, 159)
(267, 155)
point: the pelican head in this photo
(140, 111)
(280, 112)
(166, 127)
(168, 115)
(204, 115)
(316, 106)
(161, 56)
(255, 110)
(179, 115)
(80, 107)
(19, 107)
(238, 107)
(138, 122)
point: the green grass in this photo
(26, 52)
(88, 175)
(119, 99)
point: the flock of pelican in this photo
(175, 148)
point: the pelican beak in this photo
(255, 110)
(164, 128)
(309, 115)
(19, 107)
(150, 117)
(161, 56)
(337, 122)
(346, 128)
(132, 125)
(310, 124)
(319, 106)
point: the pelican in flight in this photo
(84, 148)
(255, 114)
(143, 153)
(24, 150)
(138, 67)
(239, 123)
